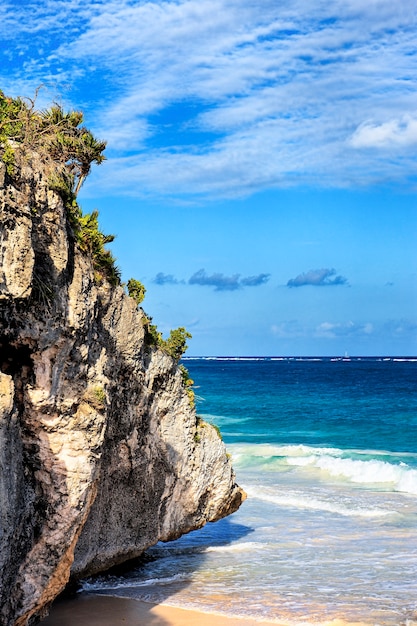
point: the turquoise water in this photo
(327, 452)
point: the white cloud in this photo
(392, 133)
(282, 93)
(288, 330)
(330, 330)
(402, 327)
(293, 329)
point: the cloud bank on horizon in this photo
(221, 98)
(325, 330)
(166, 279)
(318, 278)
(218, 280)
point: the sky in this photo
(261, 160)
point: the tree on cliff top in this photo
(54, 133)
(60, 139)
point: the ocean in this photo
(326, 450)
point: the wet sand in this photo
(88, 610)
(110, 611)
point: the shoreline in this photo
(104, 610)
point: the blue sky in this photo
(261, 173)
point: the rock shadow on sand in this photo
(126, 595)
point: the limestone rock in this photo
(101, 454)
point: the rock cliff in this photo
(101, 453)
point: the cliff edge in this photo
(101, 452)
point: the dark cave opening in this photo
(15, 359)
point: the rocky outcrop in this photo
(101, 454)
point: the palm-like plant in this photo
(68, 142)
(57, 118)
(92, 240)
(88, 150)
(71, 149)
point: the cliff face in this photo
(101, 454)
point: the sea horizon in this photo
(276, 357)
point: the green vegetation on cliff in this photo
(55, 134)
(70, 148)
(136, 290)
(175, 345)
(62, 141)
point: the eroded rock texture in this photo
(101, 454)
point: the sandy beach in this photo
(110, 611)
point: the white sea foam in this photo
(268, 451)
(220, 420)
(374, 472)
(245, 546)
(335, 462)
(307, 501)
(302, 450)
(125, 583)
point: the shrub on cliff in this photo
(188, 384)
(176, 344)
(136, 290)
(152, 335)
(92, 241)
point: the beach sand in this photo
(110, 611)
